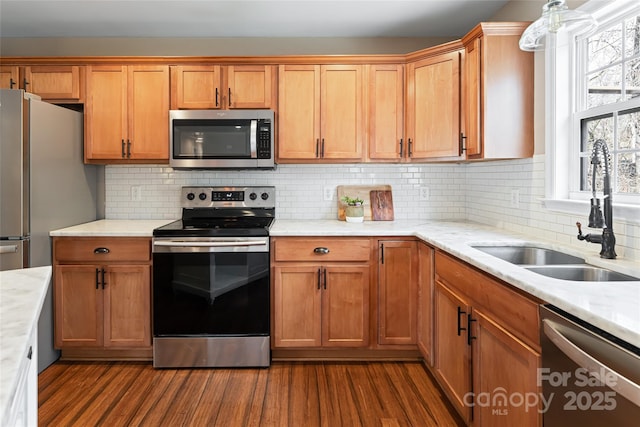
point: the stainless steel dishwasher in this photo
(588, 377)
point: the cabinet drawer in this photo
(321, 249)
(516, 312)
(97, 250)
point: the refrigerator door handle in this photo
(9, 249)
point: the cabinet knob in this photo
(101, 251)
(321, 250)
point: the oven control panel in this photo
(229, 197)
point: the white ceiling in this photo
(243, 18)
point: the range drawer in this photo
(321, 249)
(101, 249)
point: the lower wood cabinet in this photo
(425, 302)
(102, 295)
(321, 306)
(320, 292)
(397, 292)
(486, 344)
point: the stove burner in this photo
(225, 223)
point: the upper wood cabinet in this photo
(433, 107)
(320, 113)
(220, 87)
(386, 112)
(127, 114)
(9, 77)
(498, 93)
(54, 83)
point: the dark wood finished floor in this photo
(299, 394)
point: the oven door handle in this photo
(627, 388)
(185, 244)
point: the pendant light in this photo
(556, 16)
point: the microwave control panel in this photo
(264, 139)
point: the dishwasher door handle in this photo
(624, 386)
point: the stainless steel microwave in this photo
(221, 139)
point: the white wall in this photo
(478, 192)
(299, 189)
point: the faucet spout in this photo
(600, 159)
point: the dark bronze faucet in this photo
(600, 157)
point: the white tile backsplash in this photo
(480, 192)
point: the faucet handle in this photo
(580, 236)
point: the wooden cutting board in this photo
(381, 205)
(361, 191)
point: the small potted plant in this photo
(354, 211)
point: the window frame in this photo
(562, 122)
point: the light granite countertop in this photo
(612, 306)
(22, 294)
(112, 228)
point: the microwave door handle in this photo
(624, 386)
(253, 139)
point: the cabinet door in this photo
(433, 107)
(78, 301)
(148, 112)
(59, 82)
(9, 76)
(425, 302)
(341, 112)
(503, 366)
(249, 86)
(498, 93)
(472, 101)
(398, 292)
(298, 112)
(105, 112)
(297, 298)
(195, 87)
(127, 306)
(345, 306)
(386, 107)
(452, 353)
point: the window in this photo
(593, 92)
(607, 104)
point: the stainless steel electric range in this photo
(211, 280)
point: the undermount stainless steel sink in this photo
(555, 264)
(582, 273)
(529, 255)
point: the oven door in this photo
(207, 287)
(211, 302)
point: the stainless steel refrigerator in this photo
(44, 185)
